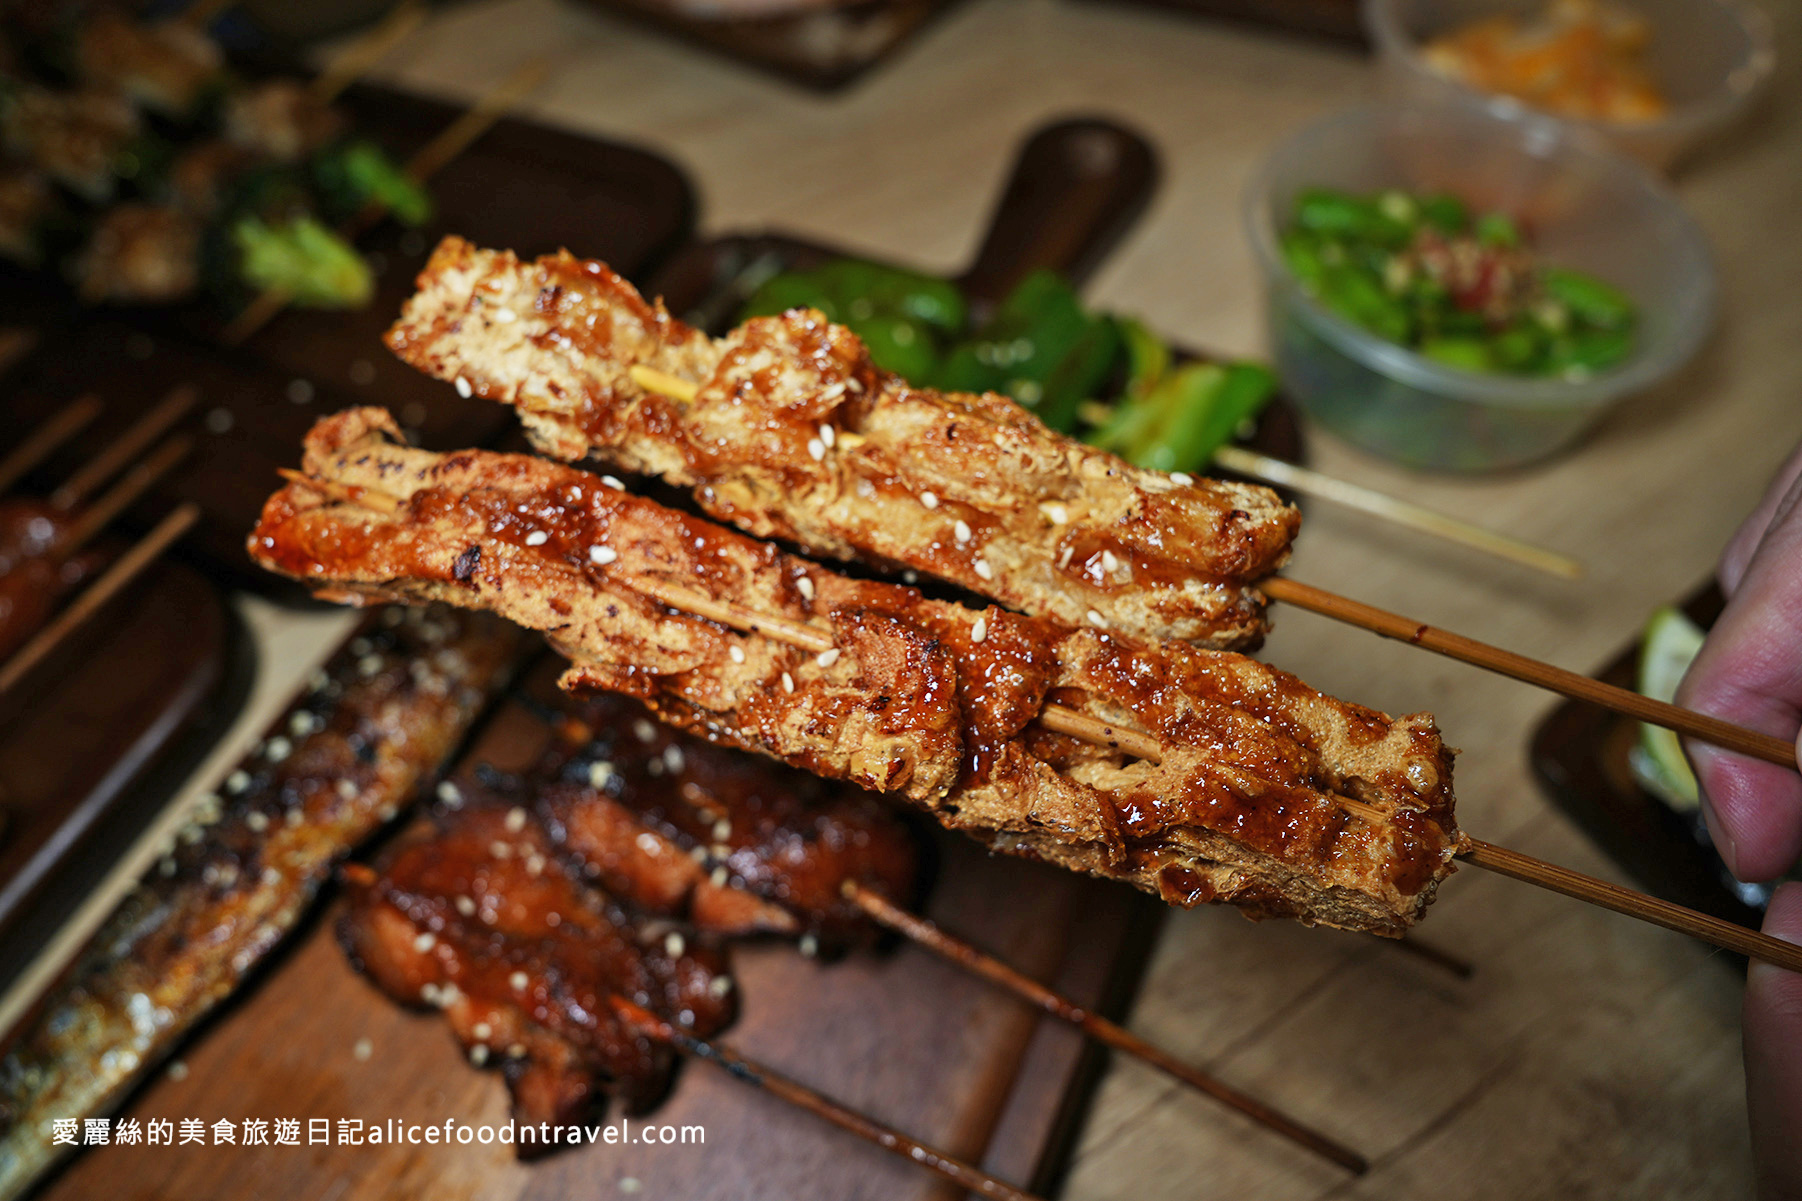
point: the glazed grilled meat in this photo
(474, 914)
(733, 843)
(369, 733)
(1250, 802)
(796, 435)
(34, 574)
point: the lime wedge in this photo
(1670, 644)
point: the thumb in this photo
(1773, 1048)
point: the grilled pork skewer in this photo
(476, 915)
(733, 843)
(794, 434)
(1250, 799)
(378, 720)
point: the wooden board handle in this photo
(1077, 186)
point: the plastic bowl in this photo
(1710, 57)
(1580, 205)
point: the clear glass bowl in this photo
(1710, 58)
(1580, 205)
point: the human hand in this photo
(1750, 672)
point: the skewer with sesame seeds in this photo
(224, 882)
(354, 458)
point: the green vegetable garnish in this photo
(303, 259)
(352, 175)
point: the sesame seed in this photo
(810, 945)
(805, 586)
(466, 906)
(478, 1054)
(237, 782)
(647, 842)
(719, 877)
(463, 388)
(816, 449)
(962, 530)
(537, 538)
(600, 556)
(178, 1070)
(929, 500)
(719, 986)
(369, 665)
(788, 682)
(535, 864)
(736, 653)
(672, 757)
(643, 730)
(827, 658)
(516, 1050)
(722, 830)
(272, 876)
(362, 1050)
(828, 435)
(1181, 477)
(1096, 619)
(980, 630)
(1056, 512)
(483, 1031)
(361, 646)
(505, 316)
(278, 749)
(518, 981)
(983, 569)
(304, 723)
(425, 942)
(673, 945)
(1063, 560)
(257, 821)
(698, 854)
(450, 794)
(516, 819)
(447, 995)
(294, 816)
(599, 772)
(910, 576)
(1108, 562)
(613, 482)
(500, 850)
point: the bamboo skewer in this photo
(1379, 504)
(451, 141)
(113, 581)
(886, 913)
(120, 496)
(1140, 744)
(758, 1075)
(366, 51)
(1532, 671)
(42, 442)
(132, 443)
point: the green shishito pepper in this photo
(1420, 271)
(350, 175)
(1040, 346)
(300, 257)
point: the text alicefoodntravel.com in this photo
(355, 1132)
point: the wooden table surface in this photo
(1589, 1056)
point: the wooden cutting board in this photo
(896, 1033)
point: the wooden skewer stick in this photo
(42, 442)
(132, 443)
(1380, 504)
(111, 582)
(758, 1075)
(115, 500)
(451, 141)
(1142, 745)
(1531, 671)
(366, 51)
(886, 913)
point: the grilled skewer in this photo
(1247, 796)
(369, 732)
(785, 429)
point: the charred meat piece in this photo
(75, 138)
(365, 738)
(140, 254)
(167, 66)
(1250, 801)
(795, 435)
(472, 913)
(734, 843)
(283, 120)
(34, 573)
